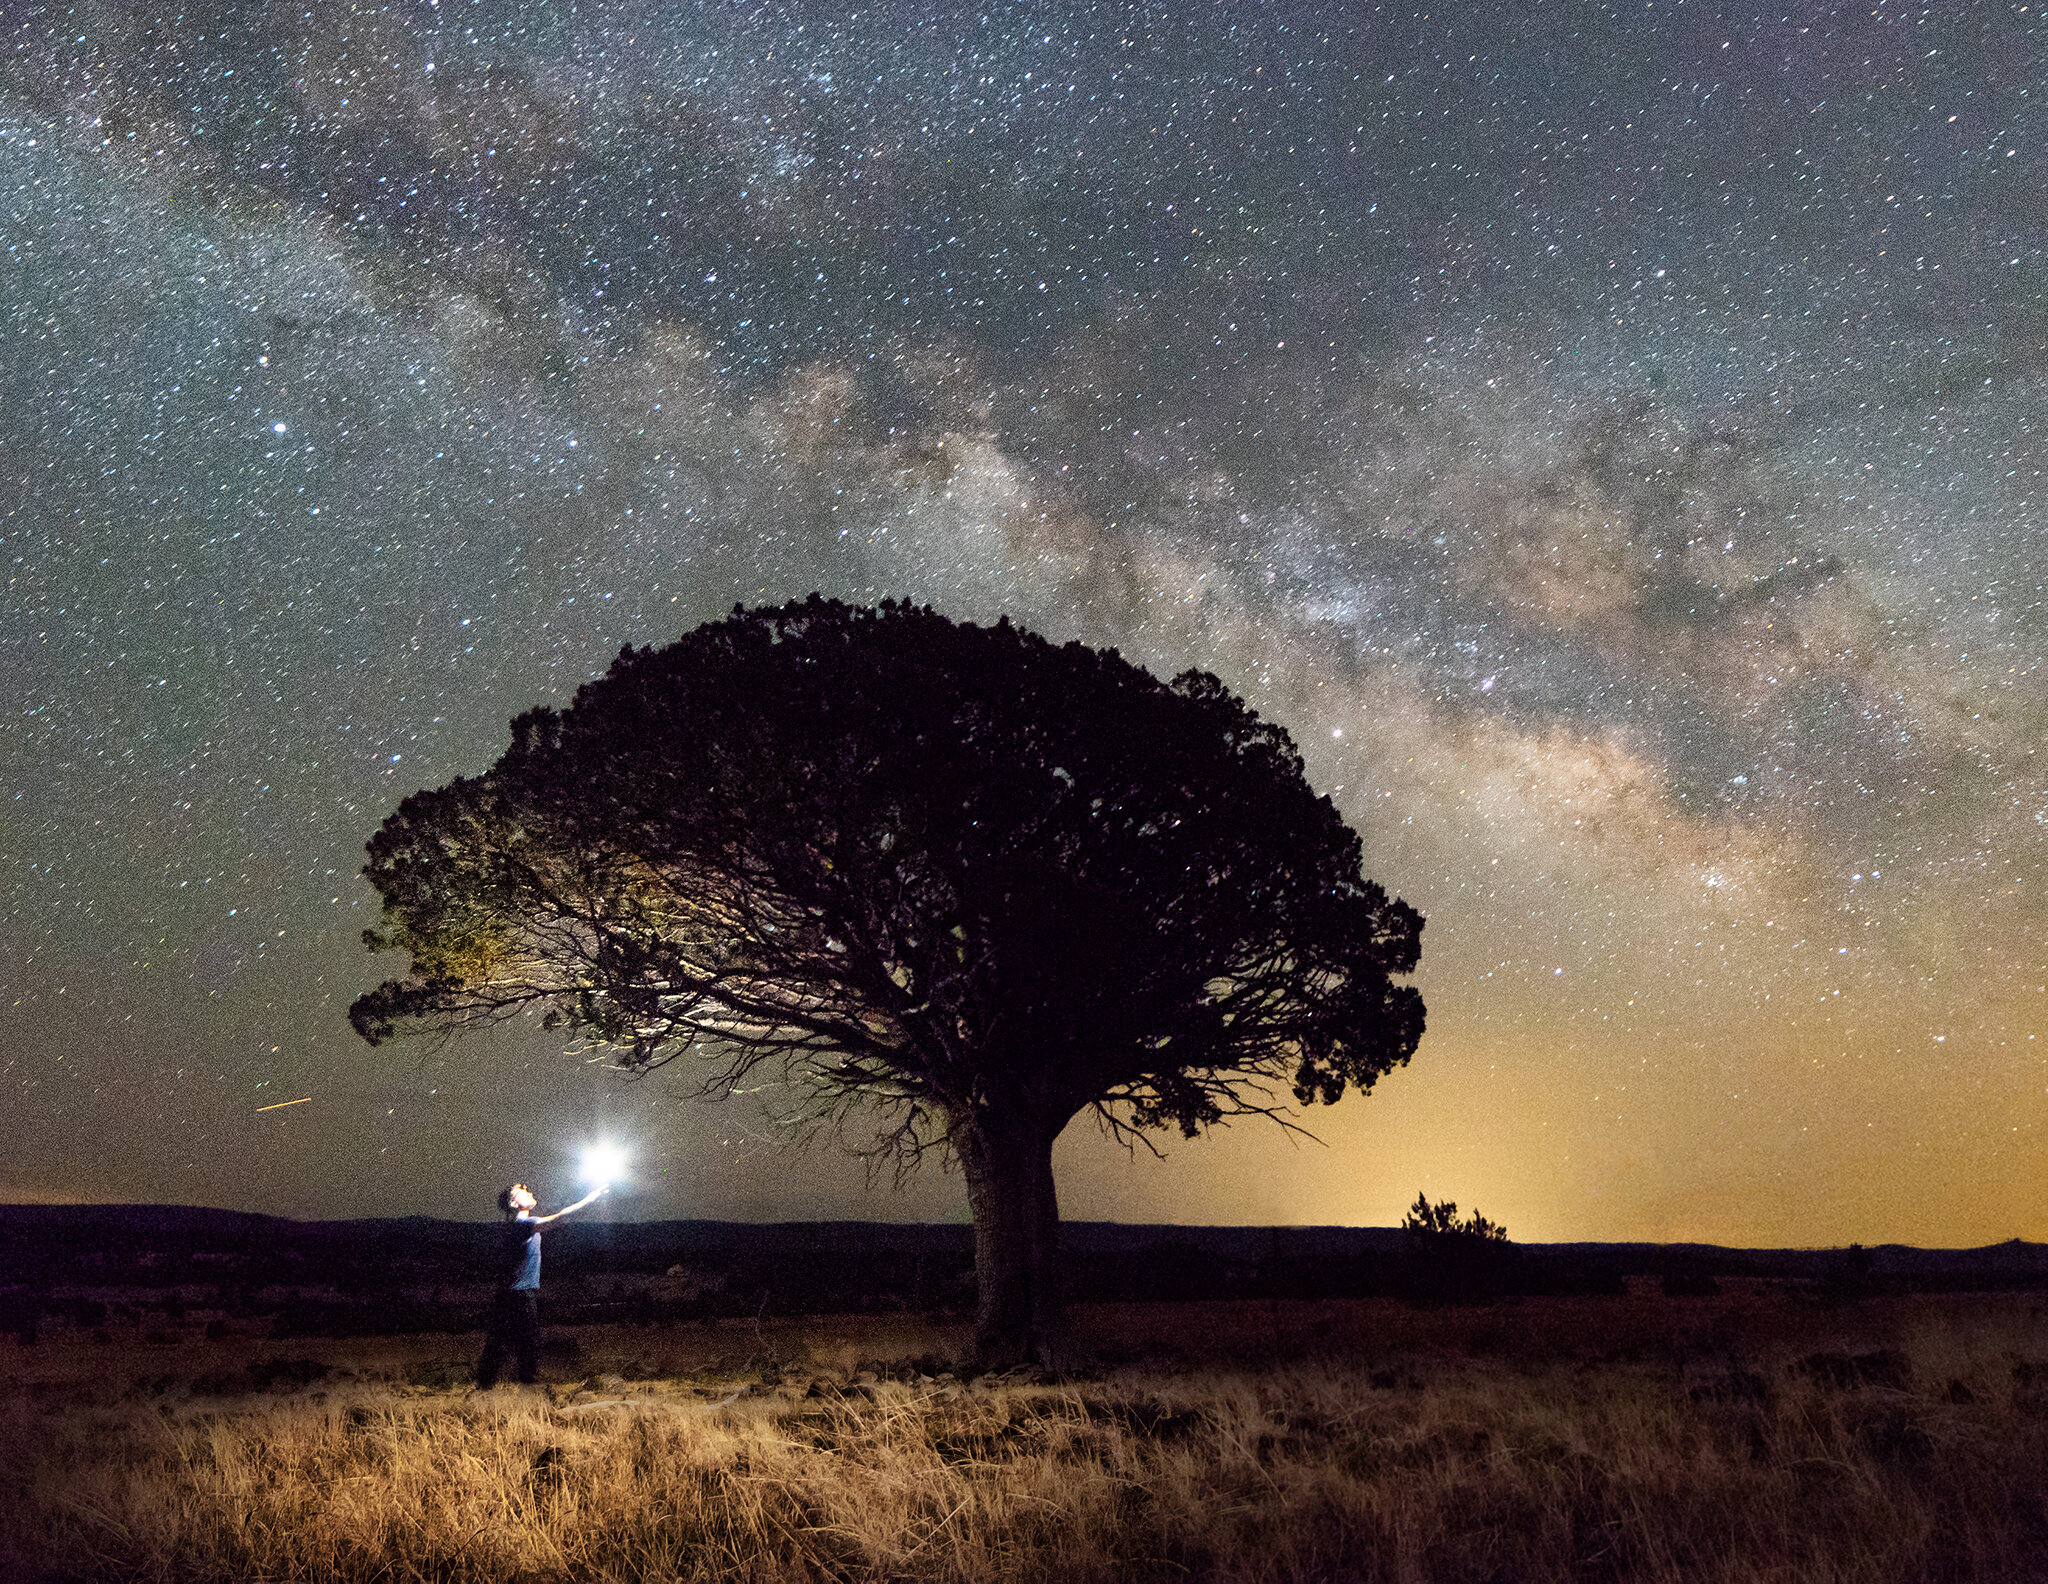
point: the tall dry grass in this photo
(1902, 1446)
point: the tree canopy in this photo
(952, 875)
(1430, 1222)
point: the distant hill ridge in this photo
(154, 1274)
(38, 1232)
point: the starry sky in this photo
(1608, 437)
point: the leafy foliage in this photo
(1453, 1259)
(1428, 1221)
(930, 866)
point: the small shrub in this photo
(1456, 1260)
(1440, 1220)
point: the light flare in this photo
(602, 1164)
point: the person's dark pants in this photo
(514, 1328)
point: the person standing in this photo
(514, 1324)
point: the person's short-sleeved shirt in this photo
(522, 1254)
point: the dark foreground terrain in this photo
(1769, 1429)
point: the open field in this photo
(1751, 1435)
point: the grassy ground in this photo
(1749, 1436)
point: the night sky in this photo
(1608, 437)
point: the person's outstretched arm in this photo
(586, 1200)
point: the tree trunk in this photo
(1008, 1166)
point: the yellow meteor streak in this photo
(283, 1103)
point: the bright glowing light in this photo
(603, 1164)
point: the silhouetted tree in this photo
(1453, 1259)
(1440, 1220)
(954, 874)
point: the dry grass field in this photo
(1754, 1435)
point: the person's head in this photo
(516, 1198)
